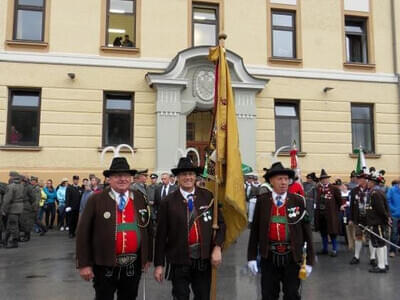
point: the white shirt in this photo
(283, 197)
(185, 194)
(117, 195)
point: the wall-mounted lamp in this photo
(71, 75)
(327, 89)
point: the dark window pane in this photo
(287, 111)
(282, 20)
(118, 104)
(25, 100)
(31, 2)
(29, 26)
(118, 129)
(204, 34)
(120, 26)
(204, 14)
(24, 128)
(286, 131)
(361, 113)
(362, 136)
(282, 43)
(190, 131)
(354, 47)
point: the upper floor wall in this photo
(316, 32)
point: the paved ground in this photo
(45, 269)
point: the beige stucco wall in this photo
(71, 112)
(71, 117)
(325, 122)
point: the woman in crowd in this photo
(61, 204)
(50, 203)
(85, 196)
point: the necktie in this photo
(278, 200)
(190, 202)
(122, 202)
(164, 192)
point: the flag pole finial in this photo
(221, 38)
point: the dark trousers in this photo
(123, 280)
(272, 277)
(197, 275)
(73, 217)
(50, 214)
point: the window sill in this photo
(27, 44)
(120, 49)
(359, 66)
(123, 150)
(285, 153)
(20, 148)
(281, 60)
(370, 155)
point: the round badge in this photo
(107, 215)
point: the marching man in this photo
(113, 242)
(280, 229)
(185, 236)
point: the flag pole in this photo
(213, 292)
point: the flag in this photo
(225, 140)
(294, 160)
(361, 163)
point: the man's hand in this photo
(158, 274)
(216, 256)
(68, 209)
(86, 273)
(350, 222)
(146, 267)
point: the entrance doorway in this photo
(198, 127)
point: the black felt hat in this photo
(119, 165)
(185, 164)
(324, 174)
(278, 169)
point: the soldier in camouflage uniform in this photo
(31, 204)
(12, 208)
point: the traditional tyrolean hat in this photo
(119, 165)
(185, 164)
(278, 169)
(323, 174)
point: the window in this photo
(362, 127)
(190, 131)
(283, 25)
(23, 118)
(204, 25)
(356, 40)
(29, 20)
(118, 119)
(121, 23)
(287, 124)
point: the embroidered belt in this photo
(124, 260)
(280, 248)
(280, 254)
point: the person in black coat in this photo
(73, 196)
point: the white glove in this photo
(252, 265)
(308, 270)
(68, 209)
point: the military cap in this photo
(14, 174)
(153, 176)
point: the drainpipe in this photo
(395, 50)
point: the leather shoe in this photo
(377, 270)
(355, 261)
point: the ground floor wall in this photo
(71, 121)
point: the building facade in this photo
(77, 76)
